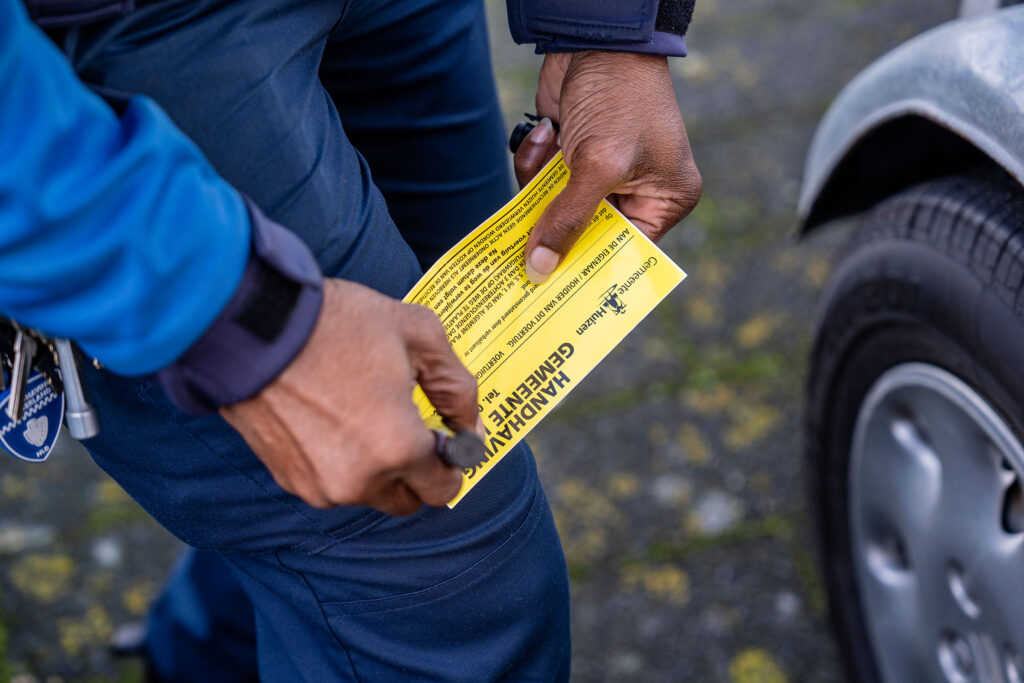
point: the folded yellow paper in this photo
(529, 345)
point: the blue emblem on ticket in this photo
(33, 437)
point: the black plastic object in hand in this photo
(465, 449)
(519, 134)
(523, 129)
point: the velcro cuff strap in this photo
(260, 331)
(674, 16)
(664, 44)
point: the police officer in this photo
(365, 127)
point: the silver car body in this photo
(946, 101)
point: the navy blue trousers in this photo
(366, 126)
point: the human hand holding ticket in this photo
(336, 426)
(528, 345)
(622, 136)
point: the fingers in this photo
(621, 132)
(398, 470)
(338, 426)
(397, 499)
(433, 482)
(444, 379)
(452, 391)
(421, 475)
(415, 474)
(656, 215)
(535, 151)
(563, 221)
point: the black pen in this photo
(464, 449)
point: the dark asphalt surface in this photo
(674, 470)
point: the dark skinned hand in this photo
(622, 137)
(338, 426)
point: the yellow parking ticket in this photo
(529, 345)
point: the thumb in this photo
(563, 222)
(535, 151)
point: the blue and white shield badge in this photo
(33, 437)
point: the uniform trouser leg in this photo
(416, 95)
(202, 626)
(474, 593)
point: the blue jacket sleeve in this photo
(642, 26)
(114, 232)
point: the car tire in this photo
(917, 368)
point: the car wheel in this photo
(915, 400)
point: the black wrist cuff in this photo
(260, 331)
(674, 16)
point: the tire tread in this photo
(976, 220)
(971, 228)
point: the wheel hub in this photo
(937, 519)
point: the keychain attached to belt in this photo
(41, 389)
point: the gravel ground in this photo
(674, 470)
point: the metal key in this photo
(7, 337)
(82, 418)
(24, 351)
(46, 363)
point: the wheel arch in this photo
(947, 101)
